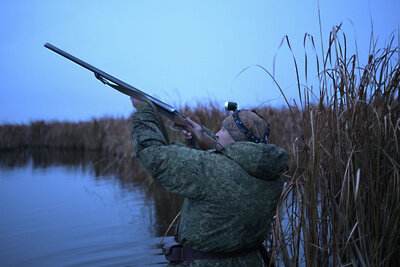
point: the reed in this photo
(340, 205)
(111, 136)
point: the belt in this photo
(177, 253)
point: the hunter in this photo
(230, 191)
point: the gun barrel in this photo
(163, 107)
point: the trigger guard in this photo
(172, 128)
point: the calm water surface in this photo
(66, 215)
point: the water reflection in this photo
(127, 171)
(78, 208)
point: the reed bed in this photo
(111, 136)
(340, 204)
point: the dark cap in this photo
(258, 126)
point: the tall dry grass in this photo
(340, 205)
(111, 136)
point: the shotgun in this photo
(199, 140)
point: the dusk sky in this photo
(183, 52)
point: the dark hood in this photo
(263, 161)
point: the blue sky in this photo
(183, 52)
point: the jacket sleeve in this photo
(177, 168)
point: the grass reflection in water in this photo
(127, 171)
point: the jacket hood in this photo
(263, 161)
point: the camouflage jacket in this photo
(230, 196)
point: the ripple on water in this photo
(61, 216)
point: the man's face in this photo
(224, 138)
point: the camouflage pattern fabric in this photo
(250, 120)
(230, 195)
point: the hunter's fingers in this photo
(135, 102)
(190, 122)
(187, 135)
(193, 124)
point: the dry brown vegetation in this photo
(340, 204)
(111, 136)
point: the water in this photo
(69, 215)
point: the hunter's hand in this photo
(196, 127)
(135, 102)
